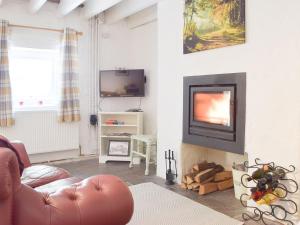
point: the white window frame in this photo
(32, 53)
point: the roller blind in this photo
(37, 39)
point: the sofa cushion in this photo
(56, 185)
(38, 175)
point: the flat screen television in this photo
(122, 83)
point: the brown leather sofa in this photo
(37, 175)
(99, 200)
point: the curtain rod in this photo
(41, 28)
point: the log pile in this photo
(206, 178)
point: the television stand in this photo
(118, 126)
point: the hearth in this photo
(214, 111)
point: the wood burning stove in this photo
(214, 111)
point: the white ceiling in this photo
(114, 9)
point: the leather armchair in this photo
(99, 200)
(20, 147)
(37, 175)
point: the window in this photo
(34, 78)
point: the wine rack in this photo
(269, 190)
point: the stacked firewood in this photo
(206, 178)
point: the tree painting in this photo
(213, 24)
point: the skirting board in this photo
(53, 156)
(104, 159)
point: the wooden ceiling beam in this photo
(94, 7)
(127, 8)
(36, 5)
(67, 6)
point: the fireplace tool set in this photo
(170, 175)
(270, 192)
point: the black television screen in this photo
(122, 83)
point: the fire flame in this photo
(212, 108)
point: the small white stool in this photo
(150, 141)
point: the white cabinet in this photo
(128, 123)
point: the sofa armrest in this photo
(99, 200)
(9, 184)
(20, 147)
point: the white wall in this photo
(121, 46)
(16, 12)
(128, 45)
(271, 59)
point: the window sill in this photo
(36, 109)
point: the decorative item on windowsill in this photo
(170, 174)
(268, 192)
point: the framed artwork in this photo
(210, 24)
(118, 148)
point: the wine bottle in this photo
(258, 174)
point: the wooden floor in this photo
(223, 202)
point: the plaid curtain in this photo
(6, 119)
(69, 101)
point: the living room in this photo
(149, 112)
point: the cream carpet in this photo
(155, 205)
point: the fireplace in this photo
(214, 111)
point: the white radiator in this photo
(41, 133)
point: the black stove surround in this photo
(214, 108)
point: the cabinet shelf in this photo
(133, 124)
(114, 136)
